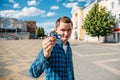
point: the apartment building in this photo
(12, 28)
(79, 14)
(114, 7)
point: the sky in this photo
(44, 12)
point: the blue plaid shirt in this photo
(58, 66)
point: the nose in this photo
(66, 33)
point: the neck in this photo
(64, 42)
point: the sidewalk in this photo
(81, 41)
(91, 61)
(16, 57)
(94, 61)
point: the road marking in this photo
(111, 69)
(99, 54)
(78, 54)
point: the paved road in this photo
(91, 61)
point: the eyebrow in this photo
(66, 29)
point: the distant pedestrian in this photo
(55, 58)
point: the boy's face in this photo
(65, 29)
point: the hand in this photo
(48, 45)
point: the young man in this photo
(55, 58)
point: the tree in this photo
(40, 32)
(98, 22)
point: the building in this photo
(12, 28)
(114, 7)
(79, 14)
(31, 27)
(77, 22)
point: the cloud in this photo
(48, 26)
(11, 1)
(71, 0)
(8, 13)
(83, 0)
(45, 24)
(58, 0)
(16, 5)
(87, 3)
(32, 2)
(50, 14)
(25, 12)
(32, 11)
(70, 5)
(54, 8)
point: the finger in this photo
(49, 48)
(49, 39)
(52, 38)
(49, 44)
(45, 42)
(46, 45)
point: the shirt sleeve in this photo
(38, 66)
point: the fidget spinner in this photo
(54, 34)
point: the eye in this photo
(69, 30)
(63, 30)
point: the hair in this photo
(63, 19)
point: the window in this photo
(113, 35)
(7, 24)
(118, 2)
(99, 0)
(112, 5)
(118, 35)
(119, 18)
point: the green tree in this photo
(40, 32)
(98, 22)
